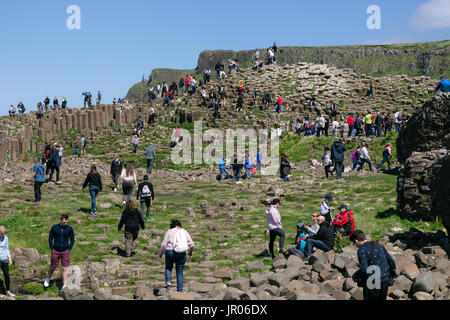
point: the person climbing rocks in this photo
(150, 156)
(132, 219)
(83, 145)
(326, 161)
(285, 167)
(61, 240)
(356, 156)
(387, 154)
(129, 182)
(147, 195)
(274, 226)
(135, 142)
(95, 187)
(39, 178)
(337, 156)
(177, 241)
(54, 162)
(116, 171)
(365, 158)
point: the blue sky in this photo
(121, 40)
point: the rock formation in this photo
(423, 150)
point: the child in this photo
(300, 239)
(76, 150)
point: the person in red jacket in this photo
(187, 83)
(344, 223)
(351, 124)
(279, 106)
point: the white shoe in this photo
(63, 287)
(46, 283)
(123, 202)
(115, 189)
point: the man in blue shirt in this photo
(375, 263)
(58, 240)
(443, 85)
(39, 179)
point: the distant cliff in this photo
(416, 59)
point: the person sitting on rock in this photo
(324, 239)
(343, 222)
(300, 238)
(443, 86)
(314, 227)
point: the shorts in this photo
(65, 258)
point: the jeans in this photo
(355, 163)
(37, 190)
(397, 127)
(237, 173)
(127, 188)
(247, 173)
(385, 159)
(378, 131)
(258, 165)
(298, 131)
(5, 269)
(361, 167)
(283, 176)
(52, 169)
(145, 207)
(222, 170)
(115, 179)
(339, 166)
(150, 165)
(135, 146)
(351, 131)
(310, 244)
(179, 259)
(273, 234)
(93, 190)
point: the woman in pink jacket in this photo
(274, 226)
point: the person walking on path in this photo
(116, 171)
(326, 160)
(6, 159)
(372, 254)
(285, 167)
(323, 239)
(248, 165)
(337, 156)
(39, 179)
(95, 187)
(147, 195)
(132, 219)
(274, 226)
(223, 169)
(61, 240)
(135, 142)
(150, 156)
(55, 163)
(5, 260)
(356, 155)
(83, 145)
(237, 167)
(386, 155)
(365, 158)
(176, 243)
(129, 182)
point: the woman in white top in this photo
(365, 158)
(175, 244)
(5, 259)
(129, 181)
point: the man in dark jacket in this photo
(337, 156)
(376, 267)
(147, 195)
(54, 163)
(324, 238)
(58, 241)
(116, 170)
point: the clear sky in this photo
(119, 41)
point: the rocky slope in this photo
(423, 150)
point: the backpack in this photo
(146, 193)
(180, 245)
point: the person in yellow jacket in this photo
(368, 120)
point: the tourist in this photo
(301, 236)
(365, 158)
(64, 103)
(248, 165)
(6, 159)
(334, 128)
(58, 239)
(326, 161)
(279, 106)
(370, 92)
(358, 126)
(258, 161)
(343, 222)
(378, 124)
(312, 102)
(132, 219)
(314, 227)
(320, 121)
(147, 194)
(187, 83)
(271, 56)
(46, 102)
(83, 145)
(325, 209)
(12, 111)
(135, 142)
(175, 245)
(267, 99)
(398, 121)
(368, 120)
(116, 171)
(337, 156)
(351, 122)
(356, 155)
(39, 178)
(60, 151)
(151, 116)
(237, 167)
(285, 167)
(150, 156)
(5, 260)
(443, 86)
(76, 150)
(386, 155)
(323, 239)
(95, 187)
(326, 126)
(298, 126)
(223, 169)
(55, 103)
(54, 162)
(371, 254)
(99, 97)
(274, 226)
(129, 182)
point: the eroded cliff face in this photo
(431, 59)
(423, 150)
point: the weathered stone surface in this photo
(100, 294)
(422, 296)
(24, 257)
(426, 282)
(240, 283)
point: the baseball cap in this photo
(329, 197)
(343, 206)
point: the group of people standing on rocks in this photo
(320, 235)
